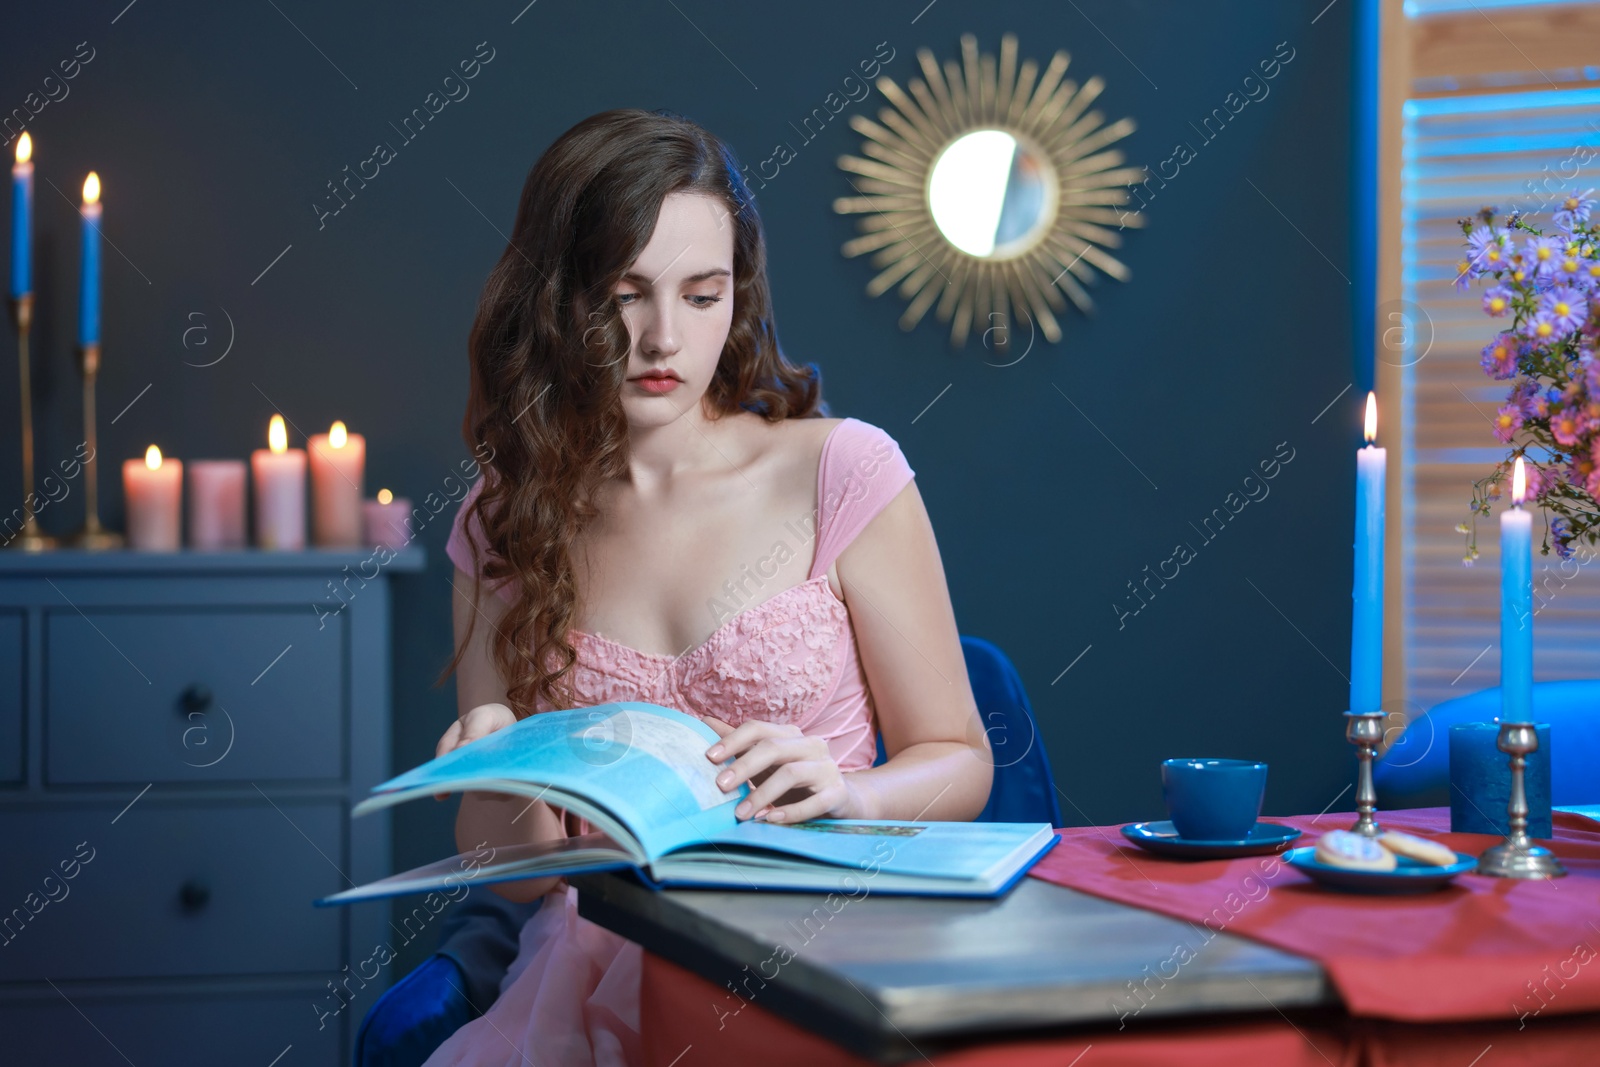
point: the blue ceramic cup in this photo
(1213, 799)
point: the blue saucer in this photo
(1162, 839)
(1410, 876)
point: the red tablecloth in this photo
(1514, 957)
(687, 1021)
(1478, 949)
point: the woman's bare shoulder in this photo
(788, 451)
(787, 441)
(801, 442)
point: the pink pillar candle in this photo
(388, 523)
(216, 504)
(279, 474)
(338, 462)
(153, 490)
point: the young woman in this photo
(668, 517)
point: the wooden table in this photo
(895, 977)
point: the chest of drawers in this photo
(182, 737)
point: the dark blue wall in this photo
(216, 127)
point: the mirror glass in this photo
(990, 194)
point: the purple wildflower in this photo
(1561, 534)
(1566, 307)
(1539, 480)
(1574, 209)
(1573, 268)
(1567, 425)
(1488, 247)
(1497, 301)
(1500, 357)
(1543, 254)
(1590, 270)
(1525, 395)
(1535, 403)
(1542, 328)
(1507, 421)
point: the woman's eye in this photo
(626, 298)
(709, 300)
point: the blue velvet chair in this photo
(1415, 771)
(479, 937)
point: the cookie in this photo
(1341, 848)
(1418, 848)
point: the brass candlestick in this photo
(1364, 729)
(30, 538)
(1517, 856)
(92, 536)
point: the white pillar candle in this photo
(216, 504)
(388, 521)
(153, 489)
(338, 462)
(280, 490)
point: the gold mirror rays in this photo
(990, 187)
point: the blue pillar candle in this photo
(1516, 604)
(1480, 781)
(1366, 628)
(22, 218)
(89, 293)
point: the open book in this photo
(639, 773)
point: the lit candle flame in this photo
(337, 435)
(277, 436)
(24, 148)
(384, 496)
(1372, 417)
(152, 458)
(91, 188)
(1519, 483)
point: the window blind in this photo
(1461, 153)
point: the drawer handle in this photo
(195, 698)
(194, 894)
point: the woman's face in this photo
(677, 302)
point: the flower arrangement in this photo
(1547, 288)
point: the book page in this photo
(682, 750)
(642, 762)
(927, 848)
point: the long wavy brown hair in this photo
(549, 353)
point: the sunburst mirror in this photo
(990, 187)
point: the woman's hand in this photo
(781, 763)
(481, 721)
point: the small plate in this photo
(1411, 876)
(1162, 839)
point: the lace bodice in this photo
(791, 658)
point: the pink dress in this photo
(571, 996)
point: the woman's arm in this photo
(939, 763)
(495, 819)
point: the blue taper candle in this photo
(1516, 604)
(22, 218)
(1366, 627)
(89, 293)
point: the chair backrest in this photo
(1416, 768)
(1024, 789)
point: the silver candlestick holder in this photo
(1364, 729)
(1517, 856)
